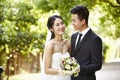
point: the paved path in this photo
(109, 71)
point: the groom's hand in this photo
(77, 69)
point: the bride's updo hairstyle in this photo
(50, 23)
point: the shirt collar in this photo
(85, 31)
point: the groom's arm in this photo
(95, 58)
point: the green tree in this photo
(21, 37)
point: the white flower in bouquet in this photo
(70, 66)
(67, 67)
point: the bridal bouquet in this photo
(70, 66)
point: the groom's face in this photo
(76, 22)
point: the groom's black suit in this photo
(88, 54)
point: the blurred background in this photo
(23, 32)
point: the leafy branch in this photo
(112, 4)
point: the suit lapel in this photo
(83, 40)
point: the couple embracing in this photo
(85, 46)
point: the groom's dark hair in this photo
(81, 11)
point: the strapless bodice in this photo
(56, 59)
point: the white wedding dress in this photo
(56, 58)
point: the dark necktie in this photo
(79, 38)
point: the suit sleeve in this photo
(95, 57)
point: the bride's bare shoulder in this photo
(49, 44)
(49, 48)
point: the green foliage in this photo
(16, 26)
(110, 20)
(1, 13)
(62, 6)
(20, 14)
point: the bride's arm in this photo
(69, 46)
(48, 59)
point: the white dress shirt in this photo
(83, 34)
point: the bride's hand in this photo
(64, 72)
(68, 72)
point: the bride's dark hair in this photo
(50, 23)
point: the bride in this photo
(55, 49)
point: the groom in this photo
(86, 46)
